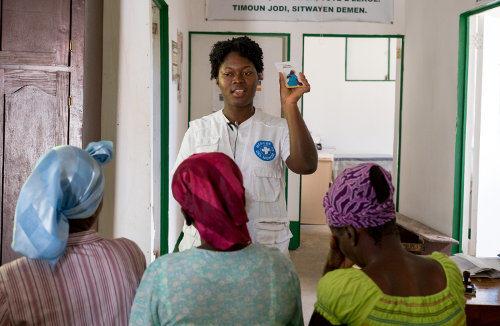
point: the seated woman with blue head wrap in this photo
(69, 275)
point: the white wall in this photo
(178, 112)
(351, 117)
(430, 110)
(126, 116)
(155, 131)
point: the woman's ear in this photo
(352, 235)
(260, 75)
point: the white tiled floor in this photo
(309, 260)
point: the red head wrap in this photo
(209, 188)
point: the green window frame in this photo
(347, 61)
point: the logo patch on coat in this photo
(264, 150)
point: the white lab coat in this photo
(259, 146)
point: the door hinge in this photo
(70, 101)
(70, 46)
(398, 53)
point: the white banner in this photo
(484, 2)
(381, 11)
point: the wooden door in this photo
(34, 90)
(314, 188)
(35, 32)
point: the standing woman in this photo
(69, 275)
(259, 143)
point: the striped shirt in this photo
(93, 283)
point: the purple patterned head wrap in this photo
(352, 200)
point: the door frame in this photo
(164, 119)
(461, 121)
(399, 116)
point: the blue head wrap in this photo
(67, 183)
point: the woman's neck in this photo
(81, 225)
(389, 248)
(238, 115)
(205, 246)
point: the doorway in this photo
(354, 113)
(477, 186)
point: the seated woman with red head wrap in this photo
(227, 280)
(392, 286)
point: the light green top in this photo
(349, 296)
(252, 286)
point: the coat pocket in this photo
(266, 185)
(272, 233)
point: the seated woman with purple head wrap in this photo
(227, 280)
(391, 285)
(69, 275)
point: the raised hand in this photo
(336, 258)
(292, 95)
